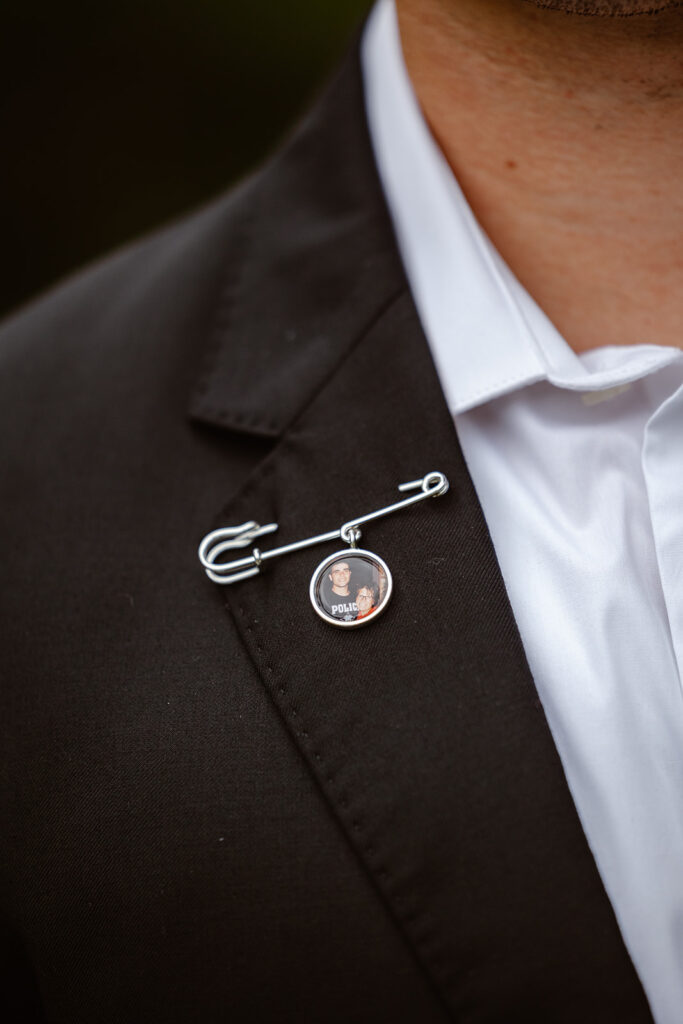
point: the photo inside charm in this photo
(350, 588)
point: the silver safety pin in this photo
(216, 543)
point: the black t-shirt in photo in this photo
(342, 606)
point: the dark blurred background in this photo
(119, 114)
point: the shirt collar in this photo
(487, 335)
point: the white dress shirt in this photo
(578, 464)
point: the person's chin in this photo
(608, 8)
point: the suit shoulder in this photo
(153, 280)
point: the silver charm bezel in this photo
(346, 554)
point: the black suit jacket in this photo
(216, 807)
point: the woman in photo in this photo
(366, 600)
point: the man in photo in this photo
(341, 605)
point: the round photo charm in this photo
(351, 588)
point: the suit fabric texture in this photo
(218, 807)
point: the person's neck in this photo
(565, 135)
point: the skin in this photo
(564, 132)
(340, 574)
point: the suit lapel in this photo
(423, 730)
